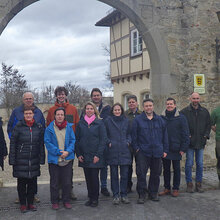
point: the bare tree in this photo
(47, 94)
(13, 85)
(77, 94)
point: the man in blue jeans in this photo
(104, 111)
(199, 123)
(150, 144)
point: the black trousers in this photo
(130, 171)
(92, 182)
(26, 189)
(143, 163)
(63, 175)
(167, 173)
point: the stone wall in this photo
(180, 36)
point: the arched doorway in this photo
(162, 84)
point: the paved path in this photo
(187, 206)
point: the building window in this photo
(136, 43)
(145, 95)
(125, 101)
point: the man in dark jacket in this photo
(199, 123)
(178, 135)
(150, 143)
(131, 113)
(18, 114)
(104, 111)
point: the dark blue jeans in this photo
(143, 163)
(103, 176)
(119, 189)
(189, 164)
(167, 173)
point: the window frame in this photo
(137, 46)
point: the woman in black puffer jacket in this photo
(26, 154)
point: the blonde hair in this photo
(94, 107)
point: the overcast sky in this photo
(51, 43)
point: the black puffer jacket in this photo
(27, 150)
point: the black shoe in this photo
(154, 198)
(105, 192)
(141, 199)
(94, 203)
(88, 203)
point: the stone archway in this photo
(161, 85)
(180, 36)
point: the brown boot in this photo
(175, 193)
(199, 188)
(165, 192)
(189, 188)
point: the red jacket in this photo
(71, 113)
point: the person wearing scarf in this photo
(59, 139)
(118, 155)
(90, 145)
(26, 155)
(178, 136)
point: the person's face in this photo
(61, 97)
(28, 99)
(90, 110)
(28, 115)
(148, 108)
(132, 105)
(170, 106)
(195, 99)
(59, 117)
(96, 98)
(117, 110)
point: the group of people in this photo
(107, 136)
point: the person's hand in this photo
(95, 159)
(214, 128)
(5, 157)
(164, 154)
(181, 153)
(137, 150)
(80, 158)
(64, 154)
(110, 145)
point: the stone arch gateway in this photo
(180, 36)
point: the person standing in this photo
(199, 122)
(18, 114)
(72, 116)
(215, 120)
(59, 140)
(104, 111)
(26, 154)
(131, 113)
(90, 145)
(118, 153)
(178, 135)
(3, 148)
(150, 144)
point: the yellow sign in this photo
(199, 83)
